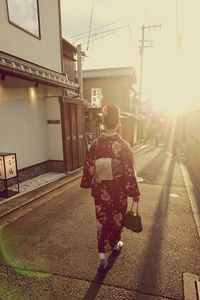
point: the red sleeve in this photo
(88, 169)
(129, 169)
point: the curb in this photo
(192, 192)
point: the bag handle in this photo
(137, 206)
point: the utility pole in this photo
(144, 45)
(79, 71)
(178, 33)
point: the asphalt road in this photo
(48, 249)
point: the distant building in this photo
(117, 86)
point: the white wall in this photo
(54, 130)
(44, 52)
(23, 127)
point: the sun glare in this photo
(170, 67)
(175, 83)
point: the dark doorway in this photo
(72, 117)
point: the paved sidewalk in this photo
(19, 200)
(50, 251)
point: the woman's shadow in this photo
(99, 278)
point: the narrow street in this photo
(48, 250)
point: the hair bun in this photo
(111, 115)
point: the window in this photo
(25, 15)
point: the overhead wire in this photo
(128, 25)
(100, 27)
(90, 25)
(99, 37)
(105, 31)
(95, 34)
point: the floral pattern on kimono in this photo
(110, 196)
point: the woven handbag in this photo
(133, 219)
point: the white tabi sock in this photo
(102, 256)
(119, 245)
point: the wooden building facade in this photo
(117, 86)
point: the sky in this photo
(170, 73)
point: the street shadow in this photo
(149, 271)
(98, 280)
(149, 149)
(151, 170)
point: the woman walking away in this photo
(110, 172)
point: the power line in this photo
(103, 32)
(124, 17)
(103, 35)
(90, 25)
(103, 26)
(94, 38)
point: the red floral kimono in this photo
(110, 172)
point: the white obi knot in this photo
(103, 169)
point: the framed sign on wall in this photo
(96, 97)
(8, 171)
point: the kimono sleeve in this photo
(130, 182)
(88, 168)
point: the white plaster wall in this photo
(23, 128)
(44, 52)
(54, 130)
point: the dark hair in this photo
(111, 113)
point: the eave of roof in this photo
(69, 45)
(109, 72)
(20, 68)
